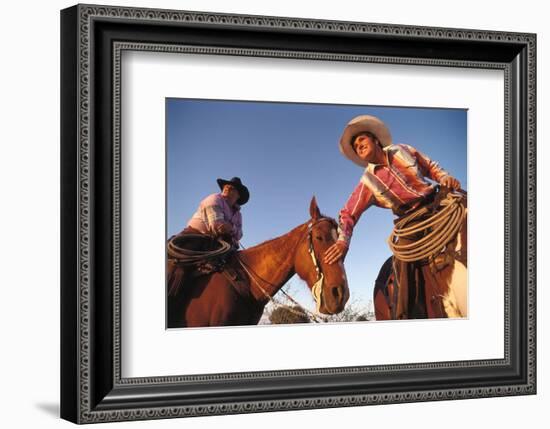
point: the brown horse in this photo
(437, 292)
(257, 274)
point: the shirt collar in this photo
(372, 165)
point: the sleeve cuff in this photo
(343, 238)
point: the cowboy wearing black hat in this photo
(219, 214)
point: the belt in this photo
(429, 199)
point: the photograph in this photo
(283, 213)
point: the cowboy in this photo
(396, 176)
(219, 214)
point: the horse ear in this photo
(314, 211)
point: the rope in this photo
(188, 257)
(438, 230)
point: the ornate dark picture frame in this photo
(92, 39)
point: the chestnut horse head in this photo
(327, 282)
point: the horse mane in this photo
(275, 241)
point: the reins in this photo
(255, 276)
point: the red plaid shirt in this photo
(400, 186)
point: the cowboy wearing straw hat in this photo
(395, 177)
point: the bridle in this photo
(317, 288)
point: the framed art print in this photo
(266, 213)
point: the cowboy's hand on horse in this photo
(450, 182)
(336, 252)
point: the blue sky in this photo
(288, 152)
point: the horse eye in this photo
(318, 237)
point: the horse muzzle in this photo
(334, 299)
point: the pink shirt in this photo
(400, 186)
(214, 209)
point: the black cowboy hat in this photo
(244, 195)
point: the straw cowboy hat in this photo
(358, 125)
(244, 195)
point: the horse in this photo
(254, 275)
(443, 294)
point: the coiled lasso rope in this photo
(187, 256)
(442, 228)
